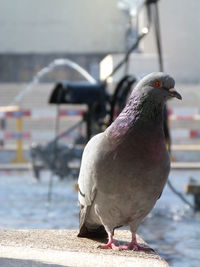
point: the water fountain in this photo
(51, 67)
(16, 103)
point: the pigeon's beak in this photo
(174, 93)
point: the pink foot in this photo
(135, 246)
(110, 244)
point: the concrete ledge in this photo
(42, 248)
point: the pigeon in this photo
(124, 169)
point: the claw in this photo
(140, 248)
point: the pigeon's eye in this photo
(157, 84)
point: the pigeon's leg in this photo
(110, 244)
(135, 246)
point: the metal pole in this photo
(158, 36)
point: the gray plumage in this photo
(124, 169)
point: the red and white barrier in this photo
(184, 113)
(18, 135)
(195, 117)
(187, 113)
(67, 113)
(51, 113)
(18, 113)
(175, 114)
(194, 133)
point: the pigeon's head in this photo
(158, 86)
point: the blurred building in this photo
(180, 26)
(33, 33)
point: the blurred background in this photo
(66, 70)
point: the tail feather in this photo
(97, 233)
